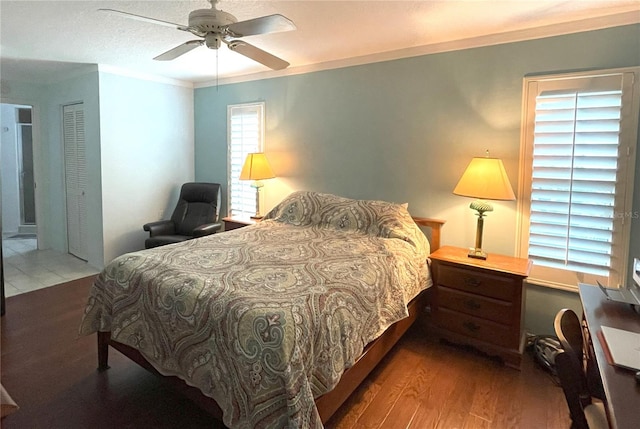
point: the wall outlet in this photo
(530, 338)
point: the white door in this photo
(75, 178)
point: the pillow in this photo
(315, 208)
(296, 209)
(373, 217)
(366, 216)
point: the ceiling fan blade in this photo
(266, 24)
(146, 19)
(257, 54)
(174, 53)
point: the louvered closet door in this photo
(75, 179)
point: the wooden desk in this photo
(621, 389)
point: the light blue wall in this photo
(81, 87)
(146, 132)
(139, 137)
(47, 100)
(20, 93)
(404, 131)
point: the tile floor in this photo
(27, 269)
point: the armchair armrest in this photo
(207, 229)
(161, 227)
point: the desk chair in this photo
(585, 414)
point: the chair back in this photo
(198, 204)
(569, 332)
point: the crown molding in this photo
(589, 24)
(104, 68)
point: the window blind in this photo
(575, 164)
(245, 135)
(577, 161)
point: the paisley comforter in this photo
(266, 318)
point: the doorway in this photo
(18, 181)
(17, 185)
(24, 266)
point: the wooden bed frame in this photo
(328, 403)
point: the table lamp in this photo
(484, 179)
(256, 167)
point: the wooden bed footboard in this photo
(328, 403)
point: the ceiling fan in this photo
(215, 27)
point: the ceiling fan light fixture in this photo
(213, 40)
(215, 27)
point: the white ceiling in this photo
(41, 39)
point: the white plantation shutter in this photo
(575, 164)
(245, 125)
(578, 168)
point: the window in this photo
(245, 134)
(577, 165)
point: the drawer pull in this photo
(471, 326)
(472, 304)
(472, 281)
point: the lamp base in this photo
(476, 253)
(256, 216)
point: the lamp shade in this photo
(485, 178)
(256, 167)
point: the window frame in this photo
(259, 147)
(566, 279)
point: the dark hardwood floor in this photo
(51, 373)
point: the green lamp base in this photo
(476, 253)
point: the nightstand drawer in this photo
(475, 305)
(474, 327)
(476, 282)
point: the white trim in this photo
(261, 145)
(627, 75)
(103, 68)
(543, 283)
(630, 160)
(41, 233)
(589, 24)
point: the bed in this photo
(272, 325)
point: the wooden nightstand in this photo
(480, 302)
(233, 222)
